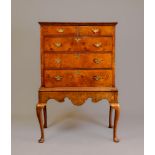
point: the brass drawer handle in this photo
(97, 61)
(58, 60)
(60, 30)
(58, 44)
(98, 44)
(77, 39)
(58, 77)
(95, 30)
(97, 77)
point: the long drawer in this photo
(78, 44)
(78, 60)
(77, 78)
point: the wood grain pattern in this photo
(74, 96)
(96, 30)
(84, 44)
(90, 44)
(87, 89)
(78, 62)
(59, 30)
(78, 78)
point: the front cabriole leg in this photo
(116, 107)
(39, 110)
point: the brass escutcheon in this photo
(58, 60)
(58, 77)
(97, 61)
(58, 44)
(99, 44)
(97, 77)
(60, 30)
(77, 39)
(95, 30)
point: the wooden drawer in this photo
(78, 44)
(96, 30)
(78, 60)
(60, 44)
(96, 44)
(70, 78)
(59, 30)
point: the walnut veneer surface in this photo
(78, 62)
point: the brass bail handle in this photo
(95, 30)
(97, 61)
(77, 39)
(98, 44)
(97, 77)
(60, 30)
(58, 77)
(58, 44)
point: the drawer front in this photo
(60, 44)
(78, 60)
(59, 30)
(96, 30)
(78, 44)
(96, 44)
(84, 78)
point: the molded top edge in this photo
(77, 23)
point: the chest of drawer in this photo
(59, 30)
(70, 78)
(78, 44)
(78, 60)
(96, 30)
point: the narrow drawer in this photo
(59, 30)
(60, 44)
(78, 60)
(78, 78)
(96, 30)
(96, 44)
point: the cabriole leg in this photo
(110, 117)
(45, 117)
(117, 114)
(39, 110)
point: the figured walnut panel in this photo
(96, 30)
(96, 44)
(78, 98)
(59, 30)
(78, 60)
(87, 89)
(78, 44)
(68, 78)
(60, 44)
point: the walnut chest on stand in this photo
(78, 62)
